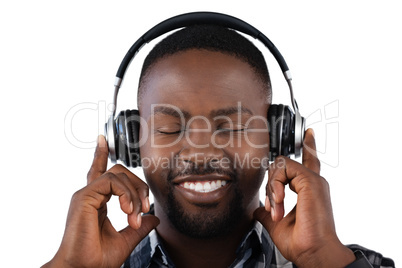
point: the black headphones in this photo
(286, 129)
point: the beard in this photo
(205, 223)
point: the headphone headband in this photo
(193, 18)
(188, 19)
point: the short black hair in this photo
(212, 38)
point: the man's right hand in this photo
(90, 239)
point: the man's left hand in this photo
(306, 235)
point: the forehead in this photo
(199, 81)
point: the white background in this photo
(57, 66)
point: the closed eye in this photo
(168, 132)
(233, 129)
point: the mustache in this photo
(213, 167)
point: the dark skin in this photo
(181, 80)
(212, 81)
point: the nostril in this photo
(214, 159)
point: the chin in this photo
(208, 220)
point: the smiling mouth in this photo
(203, 186)
(206, 188)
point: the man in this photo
(204, 94)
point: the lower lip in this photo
(203, 198)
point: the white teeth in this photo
(207, 187)
(198, 187)
(213, 185)
(204, 187)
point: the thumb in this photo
(99, 163)
(310, 159)
(134, 236)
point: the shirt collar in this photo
(256, 244)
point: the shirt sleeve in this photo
(375, 258)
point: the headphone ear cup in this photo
(273, 133)
(281, 131)
(132, 118)
(111, 138)
(121, 139)
(288, 133)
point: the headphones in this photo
(286, 128)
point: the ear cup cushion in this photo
(281, 130)
(133, 135)
(273, 131)
(287, 140)
(121, 144)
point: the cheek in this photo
(251, 152)
(252, 172)
(250, 164)
(156, 163)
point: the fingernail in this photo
(312, 132)
(101, 141)
(273, 213)
(131, 207)
(139, 219)
(266, 203)
(147, 204)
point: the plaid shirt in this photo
(256, 251)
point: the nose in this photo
(198, 146)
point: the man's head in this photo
(211, 38)
(204, 93)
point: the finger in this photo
(134, 196)
(99, 192)
(119, 184)
(287, 171)
(134, 236)
(264, 217)
(134, 217)
(99, 163)
(278, 231)
(276, 188)
(307, 184)
(310, 159)
(137, 186)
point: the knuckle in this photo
(122, 175)
(77, 196)
(139, 204)
(90, 172)
(128, 195)
(142, 185)
(318, 164)
(118, 168)
(280, 162)
(110, 176)
(325, 183)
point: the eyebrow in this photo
(231, 110)
(166, 110)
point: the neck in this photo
(187, 251)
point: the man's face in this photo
(206, 140)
